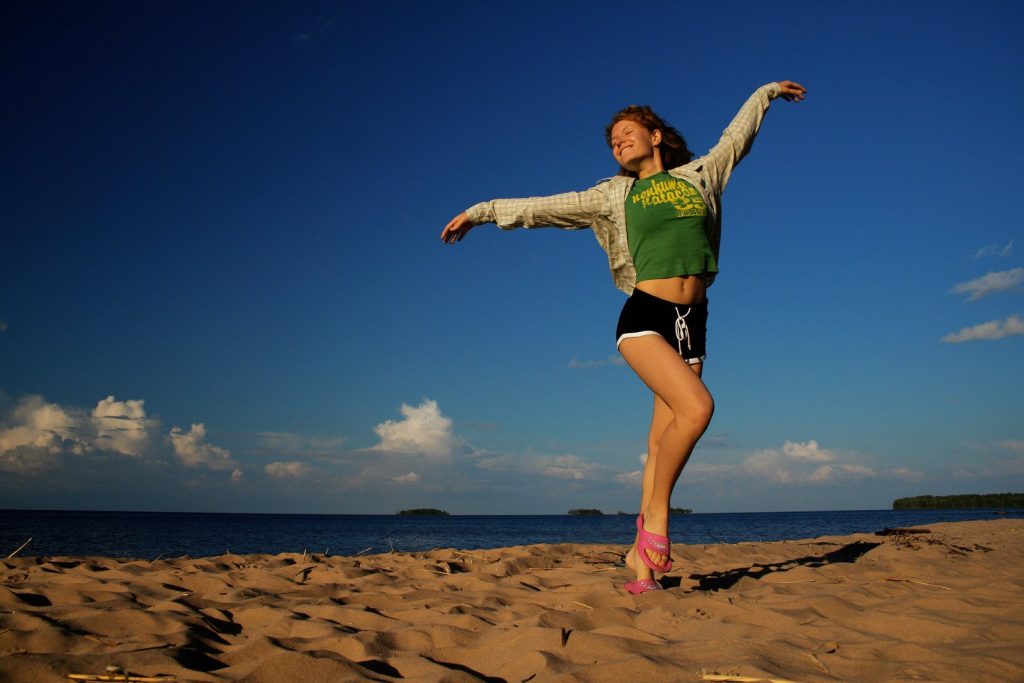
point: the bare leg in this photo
(682, 411)
(661, 418)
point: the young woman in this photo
(659, 220)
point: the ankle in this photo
(654, 511)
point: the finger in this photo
(791, 87)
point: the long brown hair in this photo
(674, 151)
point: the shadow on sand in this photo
(726, 579)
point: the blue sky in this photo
(222, 286)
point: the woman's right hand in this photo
(456, 229)
(791, 92)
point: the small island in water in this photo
(961, 502)
(425, 512)
(585, 511)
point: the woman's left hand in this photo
(791, 92)
(456, 229)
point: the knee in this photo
(696, 414)
(704, 411)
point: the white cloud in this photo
(122, 426)
(634, 477)
(821, 474)
(193, 451)
(614, 359)
(990, 283)
(553, 466)
(807, 451)
(995, 250)
(567, 467)
(797, 463)
(282, 470)
(237, 476)
(36, 434)
(112, 427)
(992, 330)
(37, 425)
(423, 431)
(410, 478)
(704, 471)
(857, 469)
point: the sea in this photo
(149, 535)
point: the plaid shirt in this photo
(603, 207)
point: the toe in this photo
(656, 558)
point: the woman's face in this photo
(632, 144)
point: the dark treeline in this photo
(970, 500)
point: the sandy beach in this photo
(941, 603)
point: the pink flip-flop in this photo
(659, 544)
(642, 586)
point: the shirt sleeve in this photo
(738, 137)
(571, 210)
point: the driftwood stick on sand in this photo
(20, 547)
(744, 679)
(121, 677)
(923, 583)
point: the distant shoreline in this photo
(966, 501)
(423, 512)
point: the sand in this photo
(946, 604)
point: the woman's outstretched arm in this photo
(738, 137)
(570, 210)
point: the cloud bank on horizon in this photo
(419, 459)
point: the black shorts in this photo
(683, 326)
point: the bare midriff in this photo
(685, 289)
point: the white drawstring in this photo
(682, 331)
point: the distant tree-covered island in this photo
(960, 502)
(585, 512)
(425, 512)
(671, 511)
